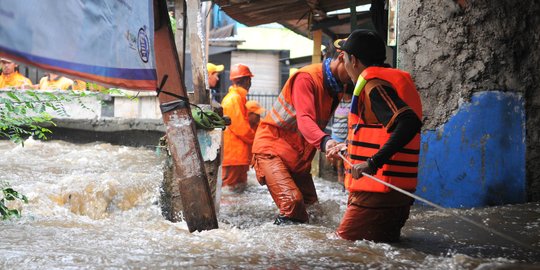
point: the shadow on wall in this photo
(478, 157)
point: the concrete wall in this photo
(125, 104)
(144, 106)
(127, 118)
(476, 65)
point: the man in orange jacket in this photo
(238, 137)
(292, 131)
(213, 74)
(254, 113)
(11, 77)
(54, 81)
(213, 79)
(383, 140)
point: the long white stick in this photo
(442, 208)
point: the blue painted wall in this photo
(478, 157)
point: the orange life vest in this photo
(278, 132)
(364, 140)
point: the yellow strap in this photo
(360, 83)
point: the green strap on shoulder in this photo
(360, 83)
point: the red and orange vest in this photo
(364, 140)
(278, 132)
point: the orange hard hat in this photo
(239, 71)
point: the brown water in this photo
(95, 206)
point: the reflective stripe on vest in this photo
(284, 114)
(364, 140)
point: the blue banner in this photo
(108, 42)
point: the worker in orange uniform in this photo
(254, 113)
(11, 77)
(213, 74)
(79, 85)
(238, 137)
(291, 133)
(55, 82)
(383, 140)
(254, 118)
(213, 79)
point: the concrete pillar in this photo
(475, 64)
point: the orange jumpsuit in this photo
(237, 139)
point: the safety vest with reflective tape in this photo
(278, 132)
(364, 140)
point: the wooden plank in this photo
(180, 34)
(196, 47)
(317, 42)
(190, 176)
(316, 58)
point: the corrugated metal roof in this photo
(298, 15)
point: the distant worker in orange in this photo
(213, 74)
(292, 131)
(79, 85)
(254, 118)
(55, 82)
(254, 113)
(213, 80)
(238, 137)
(11, 78)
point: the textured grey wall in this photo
(453, 51)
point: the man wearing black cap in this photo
(383, 141)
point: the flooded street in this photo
(95, 206)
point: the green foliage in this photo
(9, 194)
(22, 114)
(109, 91)
(25, 113)
(173, 23)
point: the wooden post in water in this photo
(317, 43)
(316, 58)
(196, 45)
(180, 34)
(190, 176)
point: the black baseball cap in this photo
(365, 45)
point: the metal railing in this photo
(265, 100)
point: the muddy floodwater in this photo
(95, 206)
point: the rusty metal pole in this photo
(190, 176)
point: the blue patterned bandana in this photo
(329, 78)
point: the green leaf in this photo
(13, 96)
(9, 195)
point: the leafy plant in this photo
(25, 113)
(22, 113)
(10, 194)
(109, 91)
